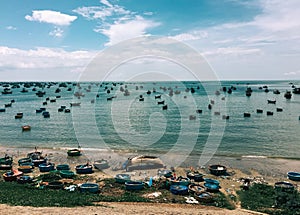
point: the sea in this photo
(127, 117)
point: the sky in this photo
(240, 40)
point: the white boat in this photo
(142, 162)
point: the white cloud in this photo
(116, 22)
(51, 17)
(57, 32)
(13, 28)
(292, 73)
(193, 35)
(43, 58)
(120, 31)
(236, 51)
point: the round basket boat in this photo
(46, 167)
(67, 174)
(196, 189)
(294, 176)
(284, 186)
(204, 197)
(24, 160)
(25, 169)
(55, 185)
(212, 187)
(63, 167)
(122, 178)
(134, 185)
(89, 187)
(24, 179)
(74, 152)
(84, 169)
(179, 189)
(217, 169)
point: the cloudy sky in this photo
(56, 40)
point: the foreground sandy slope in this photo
(123, 208)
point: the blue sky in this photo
(55, 40)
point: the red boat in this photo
(12, 175)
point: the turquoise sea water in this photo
(126, 123)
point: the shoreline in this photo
(263, 170)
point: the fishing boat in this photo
(204, 197)
(25, 169)
(134, 185)
(196, 189)
(24, 179)
(294, 176)
(284, 186)
(271, 101)
(288, 95)
(75, 104)
(101, 164)
(46, 167)
(142, 162)
(84, 169)
(179, 189)
(89, 187)
(6, 162)
(26, 128)
(74, 152)
(217, 169)
(67, 174)
(180, 181)
(296, 90)
(122, 178)
(194, 175)
(12, 175)
(63, 167)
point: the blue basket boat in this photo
(179, 189)
(294, 176)
(122, 178)
(89, 187)
(134, 185)
(46, 167)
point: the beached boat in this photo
(74, 152)
(142, 162)
(179, 189)
(194, 175)
(24, 160)
(165, 172)
(67, 174)
(55, 185)
(89, 187)
(271, 101)
(211, 185)
(204, 197)
(284, 186)
(294, 176)
(24, 179)
(25, 169)
(134, 185)
(217, 169)
(296, 90)
(180, 181)
(46, 167)
(196, 189)
(122, 178)
(63, 167)
(6, 162)
(84, 169)
(12, 175)
(101, 164)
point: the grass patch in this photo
(264, 198)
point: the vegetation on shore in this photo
(266, 199)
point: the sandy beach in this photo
(263, 170)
